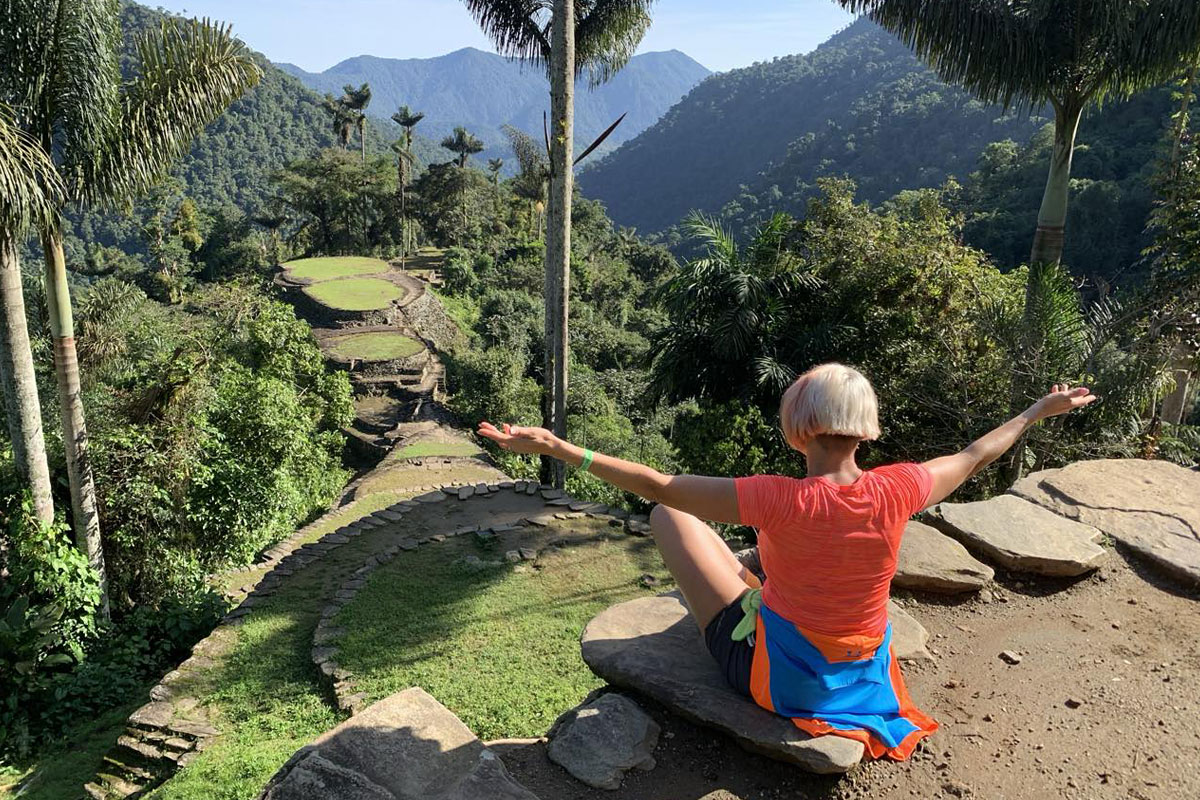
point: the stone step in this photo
(134, 752)
(116, 787)
(134, 773)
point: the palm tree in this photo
(733, 332)
(596, 36)
(1069, 55)
(110, 141)
(355, 101)
(30, 194)
(463, 144)
(494, 167)
(343, 120)
(533, 179)
(407, 119)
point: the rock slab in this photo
(1152, 507)
(909, 637)
(406, 746)
(602, 739)
(652, 646)
(931, 561)
(1023, 537)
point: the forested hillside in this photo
(231, 164)
(860, 104)
(483, 92)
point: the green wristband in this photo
(586, 464)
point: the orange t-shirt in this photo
(829, 551)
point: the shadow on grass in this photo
(498, 646)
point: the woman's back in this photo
(830, 551)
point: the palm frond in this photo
(405, 117)
(984, 45)
(188, 73)
(520, 29)
(84, 87)
(1036, 51)
(31, 192)
(607, 34)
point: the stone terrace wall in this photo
(426, 314)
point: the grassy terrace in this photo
(326, 268)
(375, 346)
(355, 294)
(465, 636)
(462, 449)
(500, 646)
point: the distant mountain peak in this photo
(484, 91)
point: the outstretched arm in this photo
(713, 499)
(950, 472)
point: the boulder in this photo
(909, 637)
(1023, 537)
(652, 646)
(406, 746)
(1152, 507)
(602, 739)
(930, 561)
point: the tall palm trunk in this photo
(558, 232)
(1047, 251)
(84, 507)
(1052, 218)
(20, 384)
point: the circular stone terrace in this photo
(347, 290)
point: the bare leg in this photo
(706, 572)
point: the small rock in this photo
(648, 580)
(1010, 657)
(599, 741)
(527, 553)
(1071, 702)
(512, 556)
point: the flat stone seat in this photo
(1023, 537)
(405, 747)
(1152, 507)
(652, 646)
(931, 561)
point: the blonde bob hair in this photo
(830, 399)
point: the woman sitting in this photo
(813, 643)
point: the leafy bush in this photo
(214, 434)
(48, 601)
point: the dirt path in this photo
(1105, 703)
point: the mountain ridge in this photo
(484, 91)
(794, 119)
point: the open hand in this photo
(1063, 399)
(520, 440)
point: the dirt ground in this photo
(1105, 703)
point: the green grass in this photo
(263, 697)
(462, 310)
(324, 268)
(404, 480)
(499, 647)
(369, 503)
(62, 771)
(355, 294)
(375, 346)
(427, 449)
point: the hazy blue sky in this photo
(316, 34)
